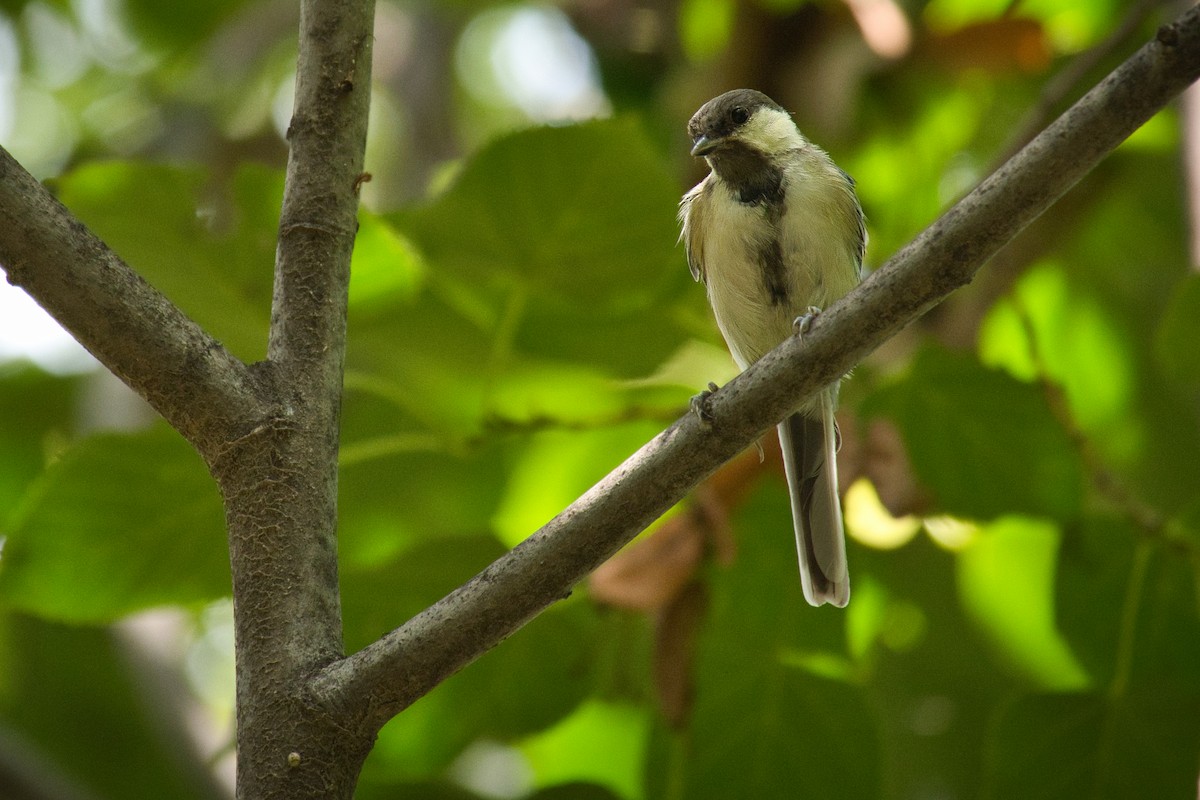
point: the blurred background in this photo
(1020, 466)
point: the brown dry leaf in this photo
(649, 573)
(674, 652)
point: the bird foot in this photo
(701, 405)
(803, 322)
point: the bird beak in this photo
(702, 145)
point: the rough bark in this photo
(280, 480)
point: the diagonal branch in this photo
(185, 374)
(393, 672)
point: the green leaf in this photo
(1006, 582)
(69, 693)
(210, 253)
(1127, 605)
(763, 724)
(531, 680)
(1179, 332)
(984, 443)
(120, 523)
(705, 27)
(1071, 746)
(385, 266)
(381, 597)
(601, 742)
(1050, 328)
(398, 497)
(933, 679)
(370, 788)
(181, 23)
(557, 235)
(556, 467)
(42, 403)
(575, 791)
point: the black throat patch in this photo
(750, 173)
(756, 181)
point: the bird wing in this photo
(694, 218)
(857, 213)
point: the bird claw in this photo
(802, 323)
(701, 405)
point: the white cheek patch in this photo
(772, 131)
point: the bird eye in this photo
(739, 115)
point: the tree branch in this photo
(201, 389)
(392, 673)
(280, 484)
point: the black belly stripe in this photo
(774, 275)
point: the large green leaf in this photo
(182, 23)
(42, 404)
(398, 485)
(1179, 332)
(932, 677)
(564, 240)
(69, 694)
(1127, 604)
(601, 743)
(118, 524)
(1006, 584)
(210, 253)
(527, 683)
(1072, 746)
(764, 723)
(984, 443)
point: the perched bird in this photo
(775, 232)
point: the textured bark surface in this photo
(280, 480)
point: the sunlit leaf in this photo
(705, 27)
(371, 787)
(557, 467)
(575, 791)
(210, 254)
(385, 266)
(603, 743)
(1051, 329)
(562, 231)
(1006, 581)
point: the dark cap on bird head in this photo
(724, 114)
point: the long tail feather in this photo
(810, 459)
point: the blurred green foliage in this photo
(521, 320)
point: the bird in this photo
(775, 232)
